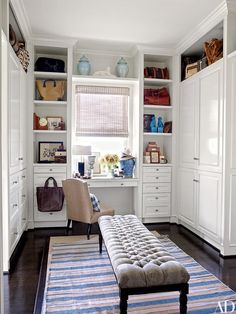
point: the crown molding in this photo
(42, 40)
(165, 51)
(22, 18)
(231, 4)
(214, 18)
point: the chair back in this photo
(79, 206)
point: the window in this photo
(101, 111)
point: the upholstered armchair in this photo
(79, 205)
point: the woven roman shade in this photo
(101, 111)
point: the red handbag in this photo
(157, 96)
(50, 199)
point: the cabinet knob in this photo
(15, 233)
(23, 195)
(156, 198)
(157, 210)
(194, 180)
(122, 184)
(50, 213)
(23, 177)
(195, 158)
(157, 178)
(15, 205)
(157, 169)
(24, 219)
(14, 182)
(21, 158)
(50, 169)
(157, 187)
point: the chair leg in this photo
(68, 226)
(89, 231)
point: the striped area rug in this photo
(80, 280)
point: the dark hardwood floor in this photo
(20, 285)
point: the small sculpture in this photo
(153, 124)
(160, 125)
(106, 72)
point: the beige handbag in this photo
(51, 89)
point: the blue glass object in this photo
(160, 125)
(153, 124)
(83, 66)
(128, 167)
(122, 68)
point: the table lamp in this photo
(81, 150)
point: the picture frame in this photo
(154, 157)
(54, 122)
(46, 151)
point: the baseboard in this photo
(17, 251)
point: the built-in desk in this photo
(118, 193)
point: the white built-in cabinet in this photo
(18, 190)
(200, 154)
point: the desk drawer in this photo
(50, 169)
(112, 183)
(157, 187)
(156, 169)
(14, 181)
(157, 177)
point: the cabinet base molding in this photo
(156, 220)
(204, 237)
(50, 224)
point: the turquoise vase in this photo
(128, 167)
(122, 68)
(83, 66)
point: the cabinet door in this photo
(14, 114)
(187, 196)
(188, 115)
(23, 120)
(209, 206)
(210, 118)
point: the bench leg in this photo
(123, 302)
(183, 299)
(100, 241)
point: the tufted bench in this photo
(140, 262)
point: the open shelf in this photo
(157, 164)
(156, 107)
(50, 102)
(156, 134)
(51, 75)
(94, 79)
(156, 82)
(49, 131)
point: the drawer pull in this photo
(21, 158)
(194, 180)
(122, 184)
(157, 169)
(24, 219)
(23, 195)
(195, 158)
(23, 177)
(50, 169)
(50, 213)
(15, 205)
(157, 187)
(157, 210)
(156, 198)
(157, 178)
(14, 182)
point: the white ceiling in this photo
(150, 22)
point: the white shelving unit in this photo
(157, 177)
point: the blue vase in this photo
(83, 66)
(128, 167)
(122, 68)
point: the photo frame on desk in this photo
(46, 151)
(155, 157)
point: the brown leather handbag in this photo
(51, 89)
(50, 199)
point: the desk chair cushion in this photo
(95, 203)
